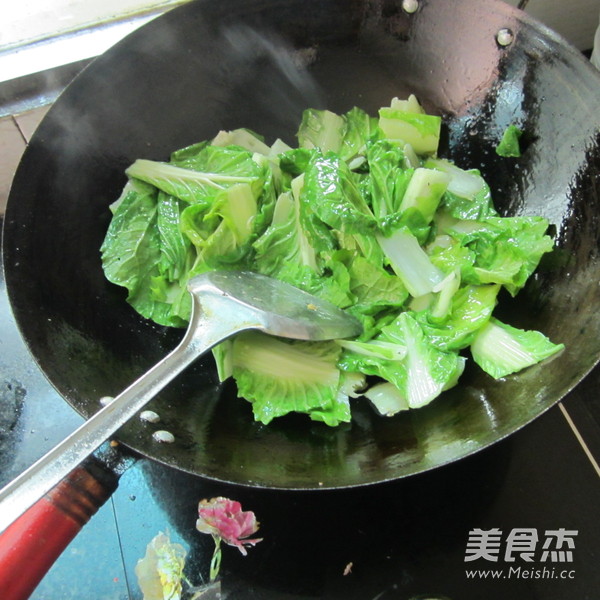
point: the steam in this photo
(164, 90)
(271, 75)
(252, 46)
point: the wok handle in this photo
(32, 543)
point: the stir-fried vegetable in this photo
(362, 213)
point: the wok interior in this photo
(205, 67)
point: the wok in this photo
(213, 65)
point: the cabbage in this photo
(362, 213)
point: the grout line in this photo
(580, 439)
(16, 124)
(114, 511)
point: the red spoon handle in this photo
(29, 546)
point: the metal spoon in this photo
(223, 304)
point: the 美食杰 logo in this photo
(529, 553)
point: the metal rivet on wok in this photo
(149, 416)
(410, 6)
(505, 37)
(164, 437)
(106, 400)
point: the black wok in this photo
(220, 65)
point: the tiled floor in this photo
(15, 132)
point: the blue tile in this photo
(150, 499)
(91, 566)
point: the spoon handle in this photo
(201, 335)
(33, 542)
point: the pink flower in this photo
(224, 519)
